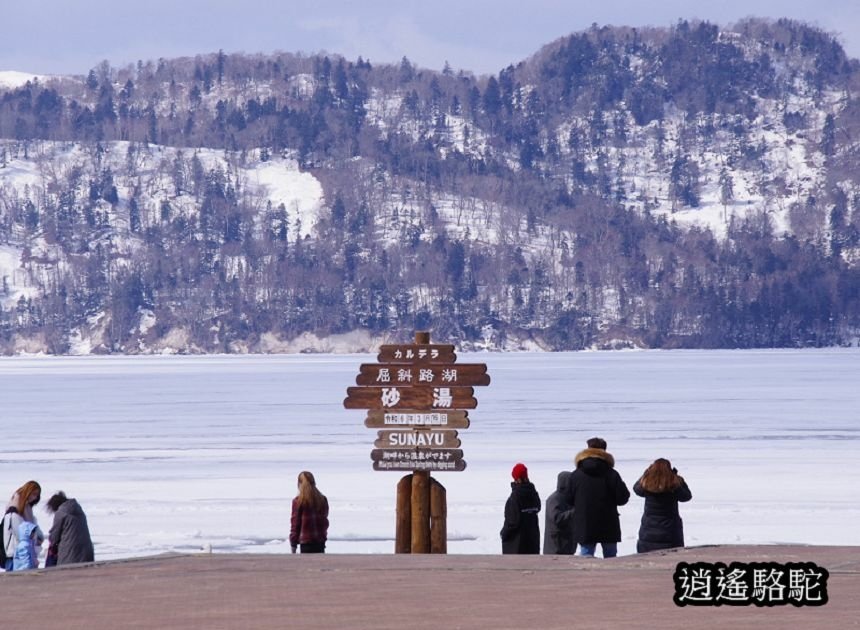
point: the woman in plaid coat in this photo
(309, 521)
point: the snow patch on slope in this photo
(11, 79)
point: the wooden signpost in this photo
(418, 394)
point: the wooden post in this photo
(403, 533)
(421, 493)
(438, 518)
(420, 511)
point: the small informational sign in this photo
(417, 353)
(418, 459)
(385, 418)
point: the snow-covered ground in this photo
(179, 453)
(14, 280)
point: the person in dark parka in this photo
(69, 537)
(558, 528)
(521, 531)
(595, 491)
(663, 488)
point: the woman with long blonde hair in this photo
(663, 488)
(20, 510)
(309, 520)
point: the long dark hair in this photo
(660, 477)
(308, 495)
(24, 493)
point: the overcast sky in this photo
(483, 36)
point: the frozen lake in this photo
(179, 453)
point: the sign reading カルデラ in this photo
(419, 395)
(417, 353)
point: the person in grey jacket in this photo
(69, 537)
(558, 527)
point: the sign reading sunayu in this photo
(417, 439)
(418, 394)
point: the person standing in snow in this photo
(595, 490)
(521, 531)
(309, 520)
(558, 528)
(69, 536)
(18, 511)
(663, 488)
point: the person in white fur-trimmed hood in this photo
(595, 490)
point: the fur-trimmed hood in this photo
(597, 453)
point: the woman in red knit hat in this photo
(521, 532)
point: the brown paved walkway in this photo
(405, 592)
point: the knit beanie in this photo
(520, 472)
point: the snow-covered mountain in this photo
(689, 186)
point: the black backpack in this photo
(3, 556)
(5, 523)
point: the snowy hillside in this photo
(13, 78)
(689, 186)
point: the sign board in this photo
(418, 459)
(417, 394)
(429, 398)
(417, 353)
(445, 374)
(381, 419)
(417, 438)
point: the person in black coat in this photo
(595, 491)
(521, 531)
(558, 529)
(663, 488)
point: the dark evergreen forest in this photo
(551, 146)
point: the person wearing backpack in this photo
(18, 511)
